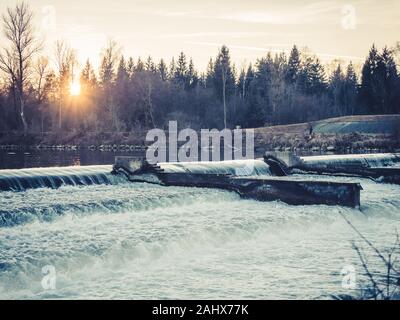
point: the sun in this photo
(75, 88)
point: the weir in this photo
(260, 179)
(20, 180)
(380, 167)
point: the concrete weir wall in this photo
(264, 183)
(294, 192)
(380, 167)
(301, 192)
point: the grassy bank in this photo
(357, 132)
(328, 142)
(385, 136)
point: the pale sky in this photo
(250, 28)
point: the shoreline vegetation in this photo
(69, 99)
(51, 100)
(310, 136)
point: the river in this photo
(125, 240)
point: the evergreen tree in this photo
(391, 83)
(150, 66)
(88, 77)
(262, 85)
(372, 83)
(139, 65)
(130, 67)
(50, 87)
(317, 77)
(163, 70)
(85, 73)
(106, 72)
(350, 90)
(224, 80)
(109, 60)
(209, 77)
(249, 79)
(172, 67)
(294, 66)
(312, 76)
(192, 78)
(277, 94)
(337, 90)
(276, 90)
(122, 73)
(241, 84)
(180, 74)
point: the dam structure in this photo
(300, 182)
(260, 179)
(378, 167)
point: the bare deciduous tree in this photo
(66, 61)
(16, 59)
(109, 59)
(41, 69)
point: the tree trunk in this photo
(244, 88)
(59, 113)
(21, 104)
(22, 107)
(150, 105)
(224, 94)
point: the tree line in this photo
(127, 94)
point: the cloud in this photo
(289, 15)
(174, 13)
(289, 12)
(257, 17)
(219, 34)
(232, 46)
(275, 49)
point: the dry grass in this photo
(295, 136)
(353, 141)
(299, 136)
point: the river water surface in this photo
(125, 240)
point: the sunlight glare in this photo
(75, 88)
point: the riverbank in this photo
(339, 134)
(379, 132)
(348, 143)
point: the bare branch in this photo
(378, 253)
(368, 273)
(15, 60)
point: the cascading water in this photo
(136, 241)
(362, 160)
(19, 180)
(234, 168)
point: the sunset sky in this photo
(343, 29)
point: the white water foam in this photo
(146, 241)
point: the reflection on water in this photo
(141, 241)
(37, 159)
